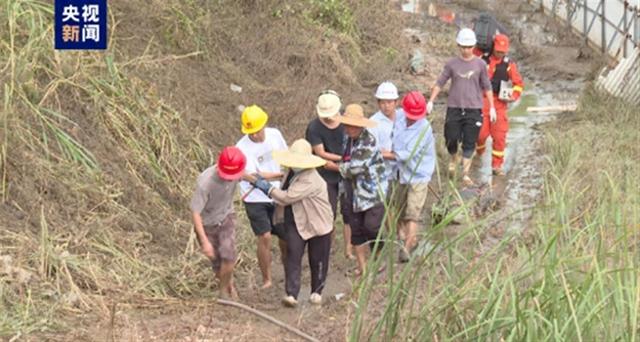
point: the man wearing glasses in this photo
(469, 82)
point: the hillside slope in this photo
(100, 149)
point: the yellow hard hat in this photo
(253, 119)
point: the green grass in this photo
(97, 167)
(572, 274)
(83, 137)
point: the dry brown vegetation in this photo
(100, 149)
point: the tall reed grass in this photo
(92, 164)
(571, 274)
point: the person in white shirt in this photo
(386, 117)
(257, 144)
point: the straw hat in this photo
(354, 116)
(299, 155)
(328, 104)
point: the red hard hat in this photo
(501, 43)
(231, 163)
(414, 105)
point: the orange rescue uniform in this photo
(505, 69)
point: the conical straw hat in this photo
(354, 116)
(299, 156)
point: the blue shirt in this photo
(383, 133)
(415, 151)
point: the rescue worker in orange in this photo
(500, 68)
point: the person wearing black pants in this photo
(319, 251)
(303, 205)
(462, 126)
(469, 83)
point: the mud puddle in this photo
(522, 124)
(519, 189)
(524, 160)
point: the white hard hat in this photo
(387, 91)
(466, 37)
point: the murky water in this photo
(521, 123)
(523, 162)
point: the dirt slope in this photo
(100, 150)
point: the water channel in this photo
(524, 160)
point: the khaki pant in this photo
(223, 239)
(410, 199)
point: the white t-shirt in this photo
(259, 159)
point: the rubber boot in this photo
(454, 159)
(497, 171)
(466, 166)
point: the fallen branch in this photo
(268, 318)
(434, 193)
(556, 108)
(148, 59)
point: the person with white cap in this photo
(363, 171)
(326, 136)
(386, 116)
(257, 144)
(303, 206)
(469, 82)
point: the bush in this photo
(335, 14)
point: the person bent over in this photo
(415, 153)
(303, 205)
(365, 183)
(213, 215)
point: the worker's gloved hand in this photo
(493, 116)
(429, 107)
(263, 185)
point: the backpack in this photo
(486, 27)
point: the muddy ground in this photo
(554, 67)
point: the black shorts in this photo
(261, 219)
(462, 126)
(333, 192)
(333, 189)
(365, 225)
(346, 208)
